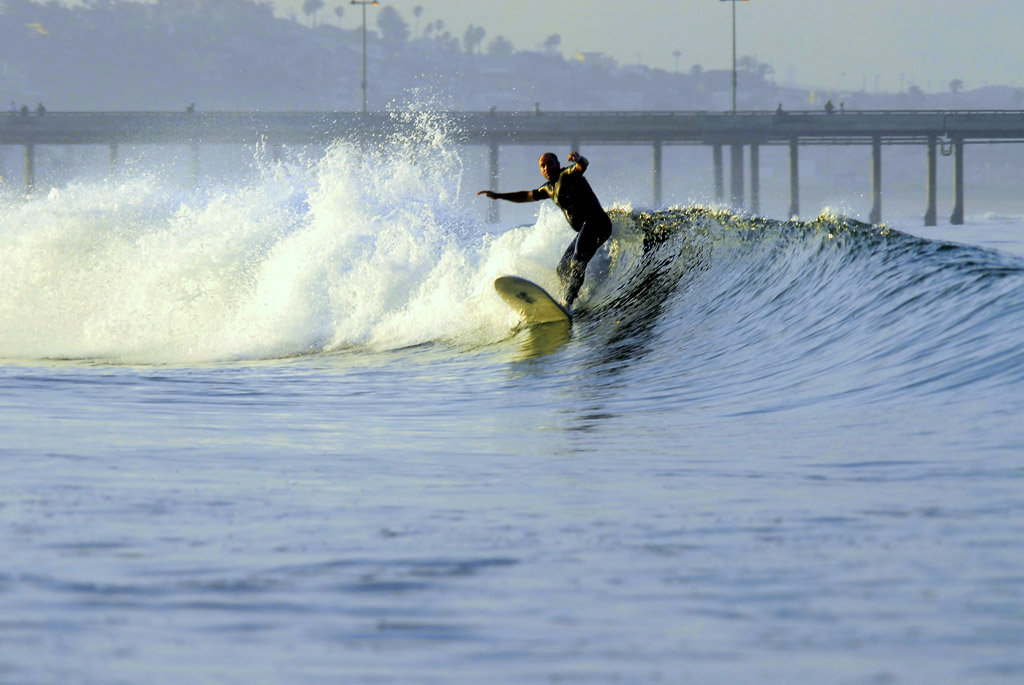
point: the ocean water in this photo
(284, 431)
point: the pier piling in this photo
(930, 211)
(794, 178)
(656, 174)
(755, 178)
(493, 215)
(30, 168)
(736, 165)
(957, 218)
(876, 180)
(716, 155)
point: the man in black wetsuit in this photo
(571, 192)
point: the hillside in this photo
(236, 55)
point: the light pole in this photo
(733, 51)
(364, 3)
(733, 55)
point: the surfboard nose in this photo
(532, 302)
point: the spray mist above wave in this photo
(365, 246)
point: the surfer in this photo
(573, 195)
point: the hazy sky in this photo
(814, 43)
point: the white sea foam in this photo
(362, 247)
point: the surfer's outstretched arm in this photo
(517, 196)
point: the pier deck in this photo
(945, 130)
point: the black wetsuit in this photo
(573, 195)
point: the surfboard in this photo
(530, 300)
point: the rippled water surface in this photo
(314, 447)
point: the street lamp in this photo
(733, 51)
(364, 3)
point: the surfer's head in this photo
(549, 166)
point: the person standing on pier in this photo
(574, 196)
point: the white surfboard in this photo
(530, 300)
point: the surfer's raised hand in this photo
(489, 193)
(578, 161)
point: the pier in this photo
(743, 133)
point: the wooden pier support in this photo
(195, 165)
(716, 153)
(876, 180)
(736, 166)
(794, 178)
(656, 180)
(957, 218)
(493, 215)
(755, 178)
(931, 210)
(30, 168)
